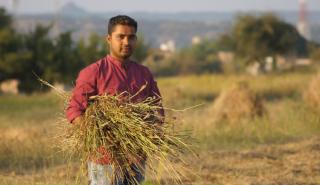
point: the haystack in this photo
(311, 94)
(236, 103)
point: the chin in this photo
(126, 56)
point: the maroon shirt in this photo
(108, 75)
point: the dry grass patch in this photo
(26, 149)
(292, 163)
(312, 93)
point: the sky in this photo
(43, 6)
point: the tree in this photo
(91, 50)
(65, 64)
(199, 58)
(26, 56)
(225, 42)
(141, 51)
(314, 52)
(12, 55)
(258, 37)
(40, 48)
(5, 19)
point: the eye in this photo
(120, 37)
(132, 37)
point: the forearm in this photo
(85, 87)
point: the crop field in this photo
(280, 147)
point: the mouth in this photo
(126, 49)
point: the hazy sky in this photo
(37, 6)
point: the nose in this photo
(126, 40)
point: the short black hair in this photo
(121, 20)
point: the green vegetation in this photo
(26, 56)
(20, 111)
(251, 39)
(255, 38)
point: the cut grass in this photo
(286, 120)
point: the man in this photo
(113, 74)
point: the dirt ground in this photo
(295, 163)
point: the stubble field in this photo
(281, 147)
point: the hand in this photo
(77, 120)
(77, 123)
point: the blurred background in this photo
(252, 65)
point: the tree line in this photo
(24, 56)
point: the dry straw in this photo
(129, 132)
(311, 95)
(236, 103)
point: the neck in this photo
(122, 60)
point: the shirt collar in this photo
(118, 63)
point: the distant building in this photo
(254, 69)
(286, 62)
(196, 40)
(226, 56)
(168, 46)
(269, 64)
(14, 4)
(9, 86)
(303, 62)
(157, 55)
(61, 87)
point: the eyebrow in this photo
(122, 34)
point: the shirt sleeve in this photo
(86, 86)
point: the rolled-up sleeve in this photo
(86, 86)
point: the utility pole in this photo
(303, 25)
(13, 5)
(56, 22)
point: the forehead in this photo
(123, 29)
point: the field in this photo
(281, 147)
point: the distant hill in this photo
(72, 10)
(289, 16)
(155, 27)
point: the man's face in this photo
(122, 41)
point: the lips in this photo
(127, 49)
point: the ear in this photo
(108, 38)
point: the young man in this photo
(113, 74)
